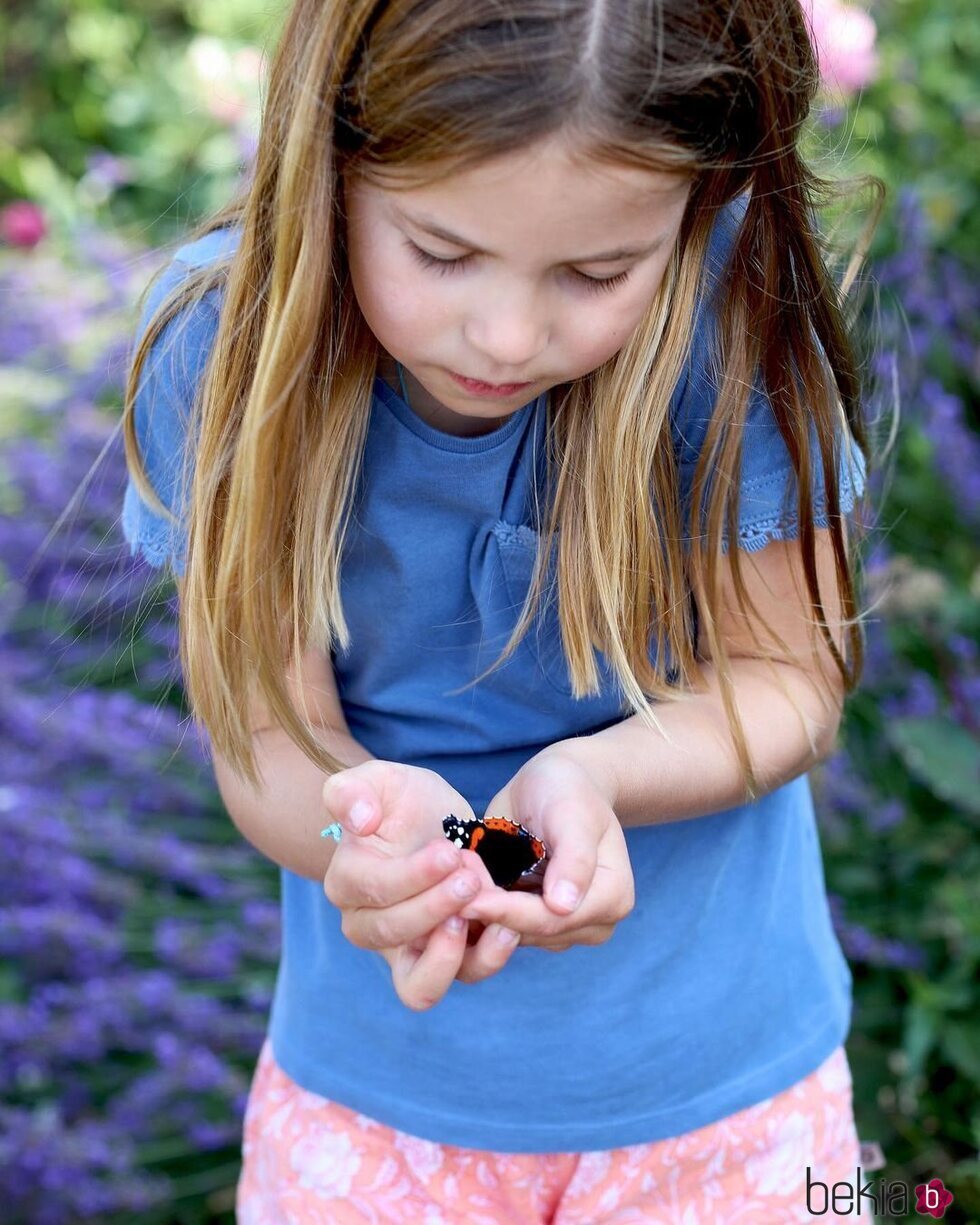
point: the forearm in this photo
(650, 781)
(283, 820)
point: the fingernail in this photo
(565, 895)
(447, 858)
(506, 936)
(465, 887)
(454, 925)
(359, 815)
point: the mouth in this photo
(481, 387)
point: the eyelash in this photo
(442, 266)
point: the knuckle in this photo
(350, 930)
(478, 971)
(330, 785)
(369, 769)
(375, 773)
(385, 934)
(469, 974)
(337, 882)
(373, 893)
(394, 771)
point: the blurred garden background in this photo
(138, 931)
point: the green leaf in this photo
(943, 755)
(919, 1037)
(961, 1045)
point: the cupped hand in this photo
(557, 798)
(399, 883)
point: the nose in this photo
(510, 332)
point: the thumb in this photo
(572, 861)
(352, 803)
(562, 892)
(569, 824)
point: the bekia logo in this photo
(932, 1198)
(890, 1199)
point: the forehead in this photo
(545, 196)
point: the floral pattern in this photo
(308, 1160)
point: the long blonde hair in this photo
(277, 432)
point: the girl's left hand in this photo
(559, 801)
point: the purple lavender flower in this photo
(126, 894)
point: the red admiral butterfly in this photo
(514, 857)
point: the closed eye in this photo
(443, 266)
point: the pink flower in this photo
(249, 65)
(227, 107)
(844, 40)
(22, 224)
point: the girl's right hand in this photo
(395, 882)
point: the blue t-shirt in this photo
(725, 985)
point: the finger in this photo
(422, 979)
(360, 877)
(488, 955)
(526, 913)
(595, 933)
(475, 864)
(569, 874)
(353, 803)
(410, 920)
(529, 914)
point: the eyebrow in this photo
(437, 231)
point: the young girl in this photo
(501, 437)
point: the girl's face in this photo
(532, 269)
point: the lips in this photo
(486, 382)
(483, 385)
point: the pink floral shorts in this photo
(311, 1161)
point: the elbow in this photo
(825, 699)
(825, 735)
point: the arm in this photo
(577, 795)
(283, 820)
(649, 781)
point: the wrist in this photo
(591, 756)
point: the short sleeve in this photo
(767, 481)
(161, 412)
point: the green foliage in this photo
(100, 76)
(943, 755)
(920, 120)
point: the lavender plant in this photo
(138, 932)
(900, 806)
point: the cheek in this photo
(601, 331)
(396, 303)
(599, 336)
